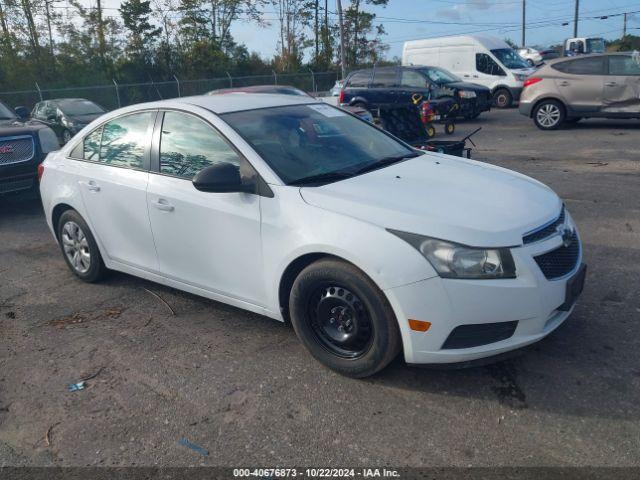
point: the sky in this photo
(414, 19)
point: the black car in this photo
(397, 85)
(67, 116)
(23, 146)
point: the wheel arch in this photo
(544, 99)
(297, 265)
(56, 213)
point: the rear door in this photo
(384, 86)
(622, 85)
(581, 82)
(113, 182)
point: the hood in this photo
(84, 119)
(474, 87)
(18, 127)
(445, 197)
(523, 71)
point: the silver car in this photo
(569, 89)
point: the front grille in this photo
(16, 149)
(476, 334)
(545, 231)
(561, 261)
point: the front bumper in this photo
(19, 176)
(531, 300)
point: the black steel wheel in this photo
(340, 321)
(343, 318)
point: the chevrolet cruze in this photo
(304, 213)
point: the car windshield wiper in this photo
(385, 162)
(322, 178)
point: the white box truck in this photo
(480, 59)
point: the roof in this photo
(237, 102)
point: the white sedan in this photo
(300, 211)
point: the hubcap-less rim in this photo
(76, 247)
(340, 321)
(501, 101)
(548, 115)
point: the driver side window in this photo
(486, 64)
(188, 144)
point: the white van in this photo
(481, 59)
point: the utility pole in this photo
(575, 19)
(524, 22)
(343, 65)
(624, 26)
(46, 4)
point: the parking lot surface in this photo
(244, 389)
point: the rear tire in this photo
(79, 248)
(549, 115)
(343, 318)
(502, 98)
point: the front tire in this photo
(79, 248)
(502, 98)
(549, 115)
(343, 318)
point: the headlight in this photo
(452, 260)
(48, 140)
(467, 94)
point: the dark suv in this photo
(397, 85)
(23, 146)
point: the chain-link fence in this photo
(115, 95)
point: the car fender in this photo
(358, 99)
(386, 259)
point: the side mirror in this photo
(22, 112)
(222, 178)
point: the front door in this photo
(207, 240)
(622, 85)
(113, 181)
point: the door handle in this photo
(466, 76)
(162, 204)
(610, 84)
(475, 76)
(564, 84)
(91, 186)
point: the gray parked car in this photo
(569, 89)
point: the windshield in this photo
(439, 75)
(79, 107)
(595, 45)
(6, 113)
(300, 142)
(510, 58)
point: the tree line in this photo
(60, 44)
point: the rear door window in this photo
(125, 139)
(486, 64)
(384, 78)
(582, 66)
(360, 79)
(624, 65)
